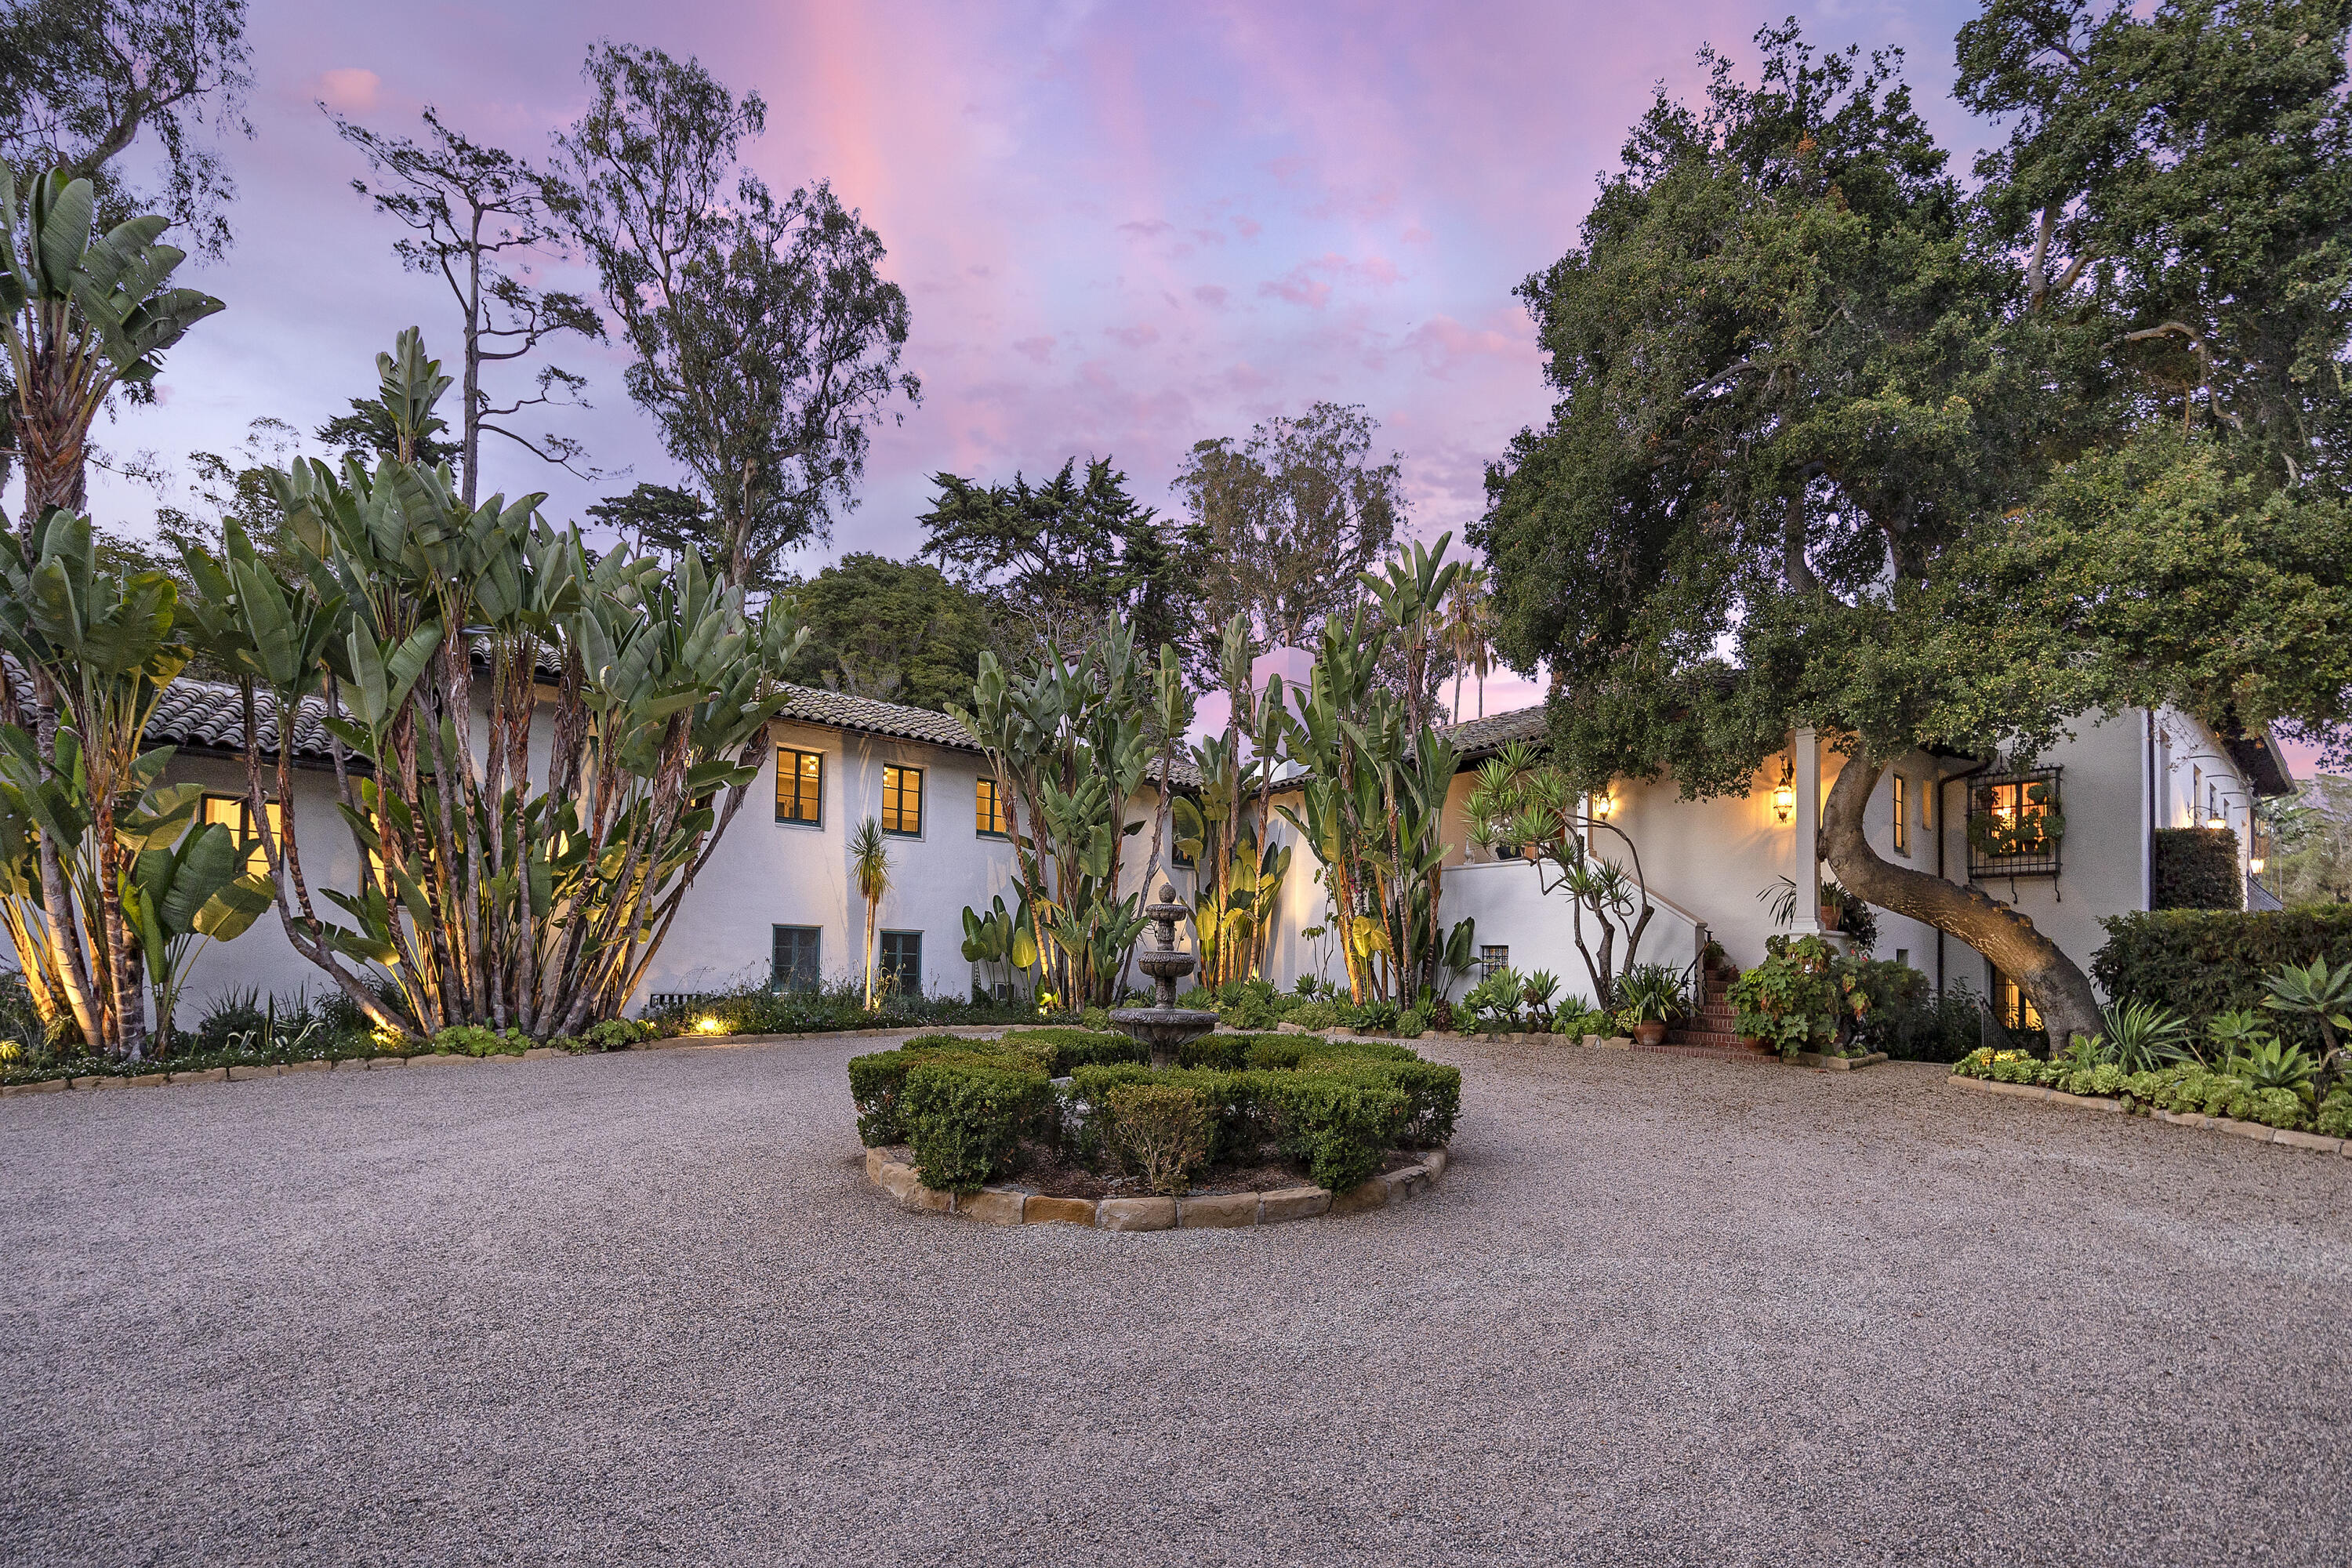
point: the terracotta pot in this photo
(1830, 914)
(1752, 1042)
(1649, 1034)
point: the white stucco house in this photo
(777, 905)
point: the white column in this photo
(1806, 873)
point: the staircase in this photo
(1710, 1031)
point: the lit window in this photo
(799, 786)
(231, 812)
(1902, 817)
(2016, 1008)
(902, 801)
(988, 813)
(901, 967)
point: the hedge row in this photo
(2197, 868)
(966, 1106)
(2199, 962)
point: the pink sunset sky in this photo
(1122, 228)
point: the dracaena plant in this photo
(502, 883)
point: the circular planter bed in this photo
(1068, 1125)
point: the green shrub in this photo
(1340, 1127)
(2199, 962)
(1163, 1130)
(478, 1040)
(1411, 1023)
(1432, 1090)
(1799, 996)
(2196, 868)
(965, 1119)
(1074, 1049)
(1316, 1016)
(877, 1081)
(613, 1034)
(1226, 1052)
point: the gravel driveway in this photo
(642, 1309)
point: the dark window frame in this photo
(988, 804)
(810, 977)
(1902, 822)
(1986, 795)
(1493, 956)
(902, 770)
(886, 964)
(799, 796)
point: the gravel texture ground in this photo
(643, 1309)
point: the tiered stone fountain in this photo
(1164, 1027)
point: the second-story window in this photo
(799, 786)
(987, 811)
(1901, 816)
(902, 801)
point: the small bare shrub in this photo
(1163, 1129)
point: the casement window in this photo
(796, 959)
(1492, 960)
(902, 801)
(2015, 825)
(800, 787)
(1901, 816)
(988, 818)
(902, 963)
(232, 812)
(2012, 1006)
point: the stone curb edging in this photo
(2254, 1131)
(1212, 1211)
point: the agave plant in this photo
(2317, 992)
(1537, 992)
(2273, 1064)
(2236, 1032)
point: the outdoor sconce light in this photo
(2255, 865)
(2217, 822)
(1602, 804)
(1784, 798)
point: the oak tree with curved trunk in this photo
(1841, 443)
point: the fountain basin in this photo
(1163, 1030)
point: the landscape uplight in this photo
(709, 1025)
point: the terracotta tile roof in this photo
(1474, 737)
(209, 713)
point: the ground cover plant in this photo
(1080, 1108)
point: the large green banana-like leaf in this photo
(230, 912)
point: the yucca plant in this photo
(2140, 1036)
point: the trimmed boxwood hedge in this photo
(966, 1106)
(2203, 961)
(2197, 868)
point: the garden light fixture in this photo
(1602, 804)
(709, 1025)
(2217, 822)
(1784, 798)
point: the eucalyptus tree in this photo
(81, 80)
(765, 339)
(506, 883)
(481, 216)
(1841, 443)
(1285, 520)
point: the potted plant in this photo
(1651, 997)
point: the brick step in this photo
(1733, 1053)
(1721, 1038)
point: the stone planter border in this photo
(2254, 1131)
(1210, 1211)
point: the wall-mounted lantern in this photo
(1784, 797)
(2217, 822)
(1602, 804)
